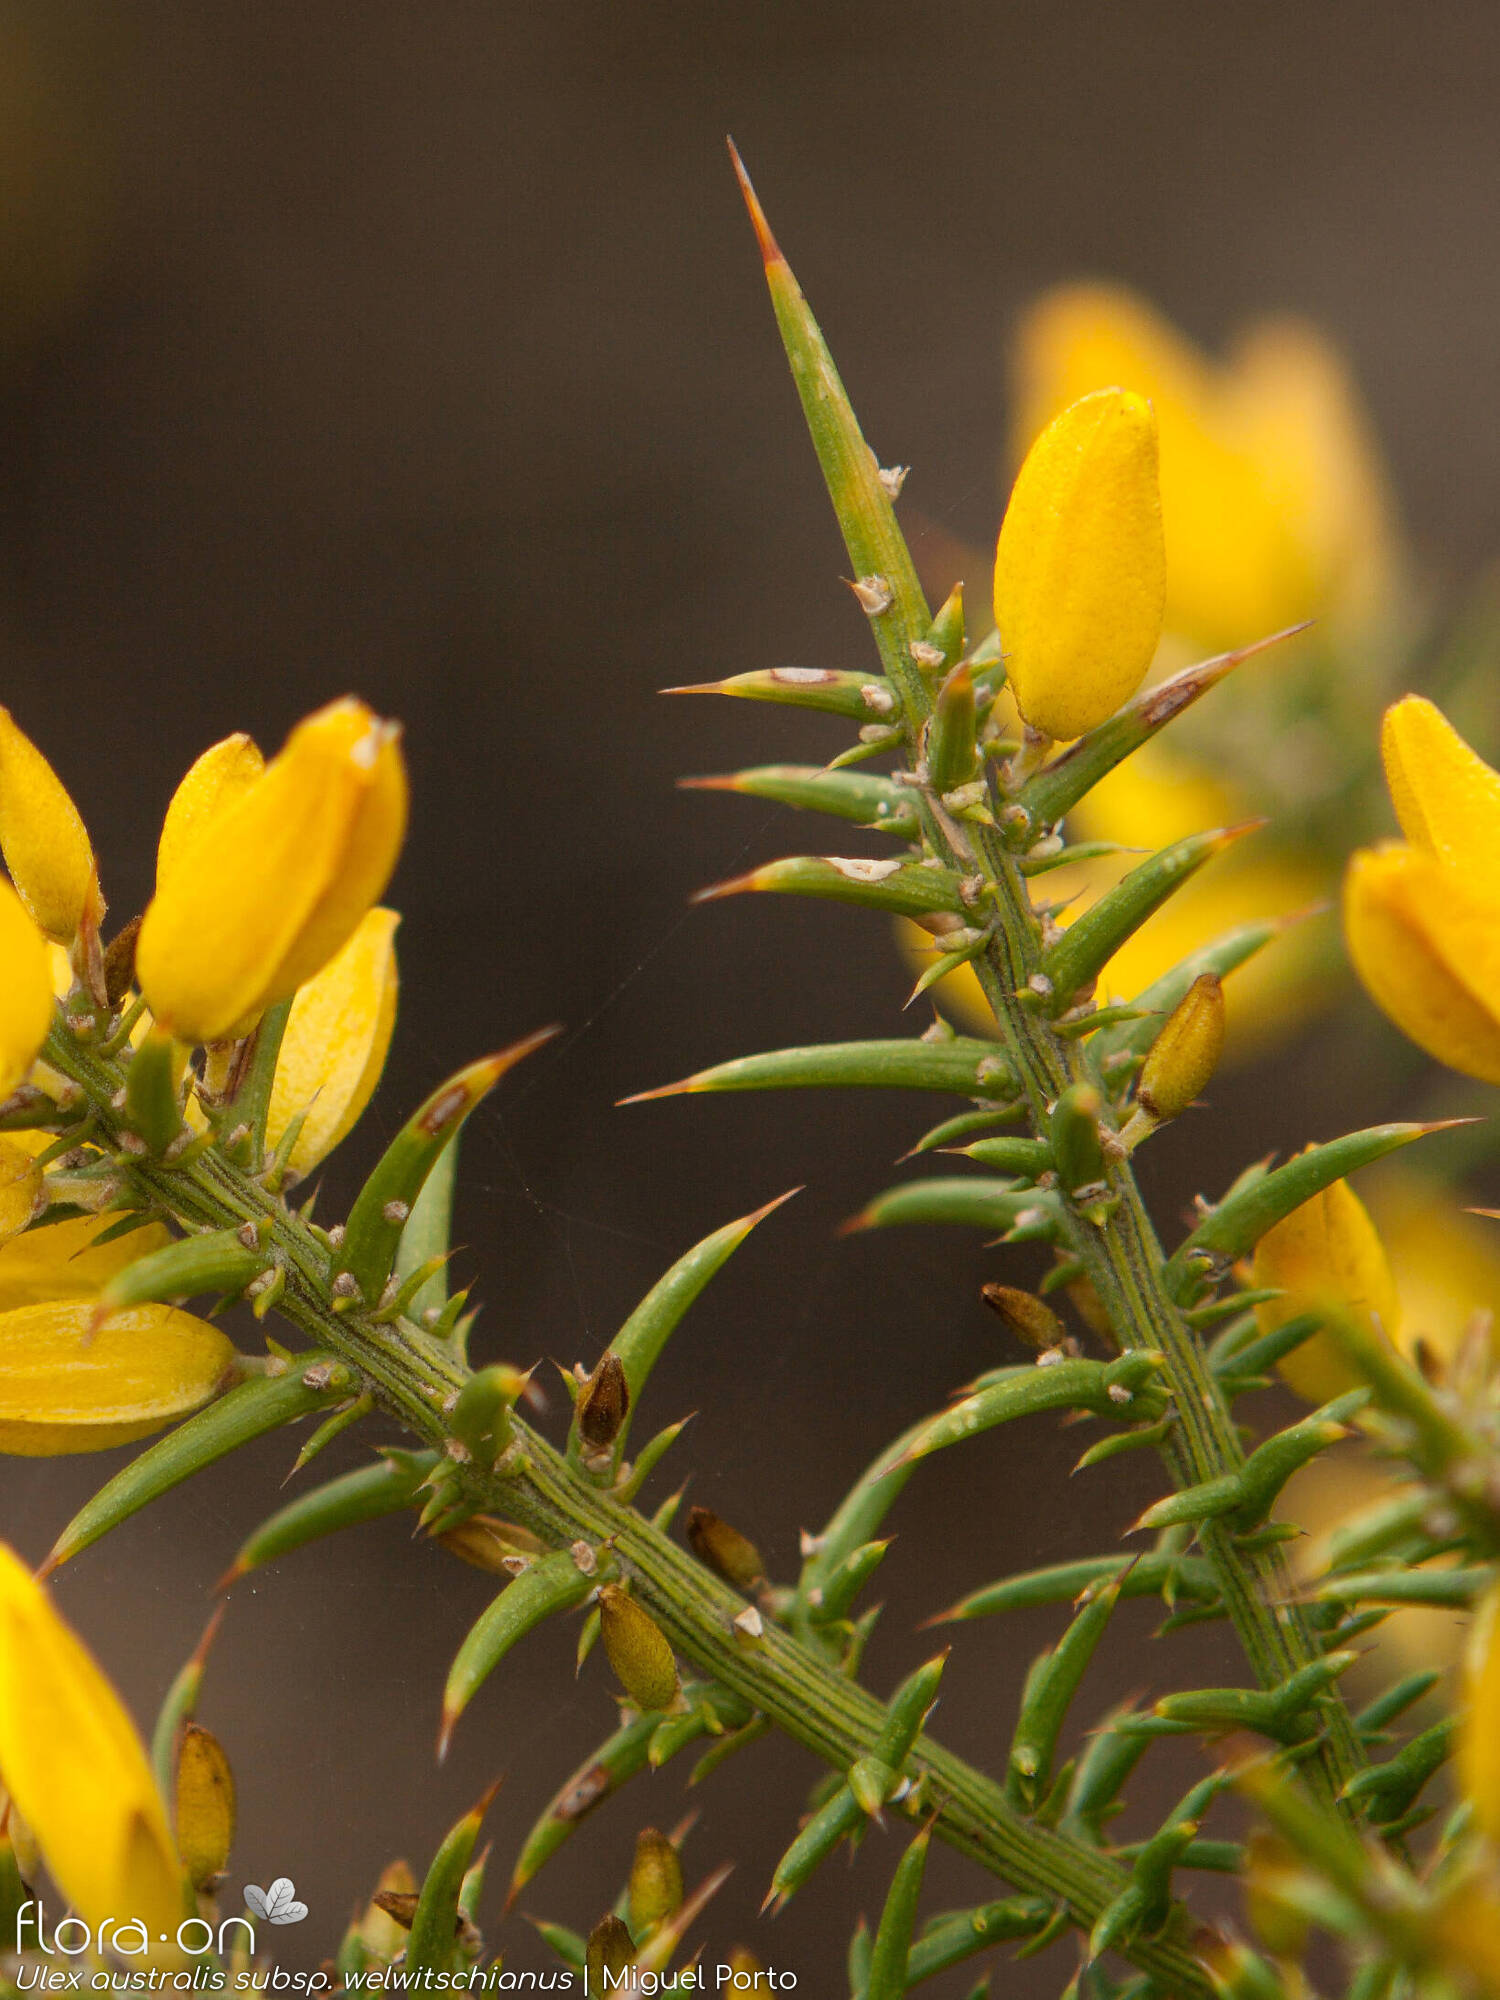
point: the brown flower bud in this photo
(637, 1649)
(205, 1806)
(655, 1881)
(723, 1549)
(1186, 1052)
(609, 1950)
(1029, 1318)
(602, 1404)
(489, 1543)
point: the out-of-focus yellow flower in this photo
(59, 1261)
(20, 1187)
(216, 781)
(1326, 1251)
(1148, 801)
(269, 889)
(65, 1388)
(1321, 1499)
(1422, 918)
(334, 1048)
(1080, 568)
(1446, 1263)
(45, 842)
(1479, 1742)
(1274, 500)
(25, 991)
(73, 1763)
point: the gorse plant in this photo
(170, 1088)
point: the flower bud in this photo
(75, 1767)
(637, 1649)
(66, 1388)
(25, 991)
(1074, 1133)
(1325, 1253)
(608, 1953)
(1030, 1319)
(337, 1035)
(1186, 1052)
(602, 1404)
(724, 1550)
(1080, 567)
(490, 1544)
(205, 1807)
(952, 756)
(21, 1192)
(216, 781)
(46, 844)
(655, 1881)
(266, 891)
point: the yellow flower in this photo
(1446, 1262)
(1325, 1252)
(220, 777)
(1274, 500)
(263, 893)
(46, 844)
(1151, 799)
(1422, 918)
(25, 991)
(65, 1388)
(60, 1262)
(1479, 1741)
(335, 1044)
(20, 1186)
(1080, 571)
(73, 1763)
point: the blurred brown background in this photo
(422, 350)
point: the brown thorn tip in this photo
(748, 1222)
(729, 783)
(768, 246)
(445, 1733)
(486, 1798)
(853, 1224)
(230, 1578)
(694, 687)
(662, 1090)
(737, 885)
(46, 1566)
(1447, 1124)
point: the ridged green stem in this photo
(416, 1377)
(1123, 1260)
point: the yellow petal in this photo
(57, 1262)
(1306, 425)
(1446, 798)
(25, 991)
(46, 844)
(1080, 568)
(1446, 1263)
(65, 1390)
(1479, 1740)
(20, 1186)
(75, 1766)
(222, 775)
(334, 1049)
(1233, 563)
(1426, 943)
(1325, 1252)
(275, 884)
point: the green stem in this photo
(416, 1377)
(1123, 1260)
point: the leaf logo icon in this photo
(278, 1904)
